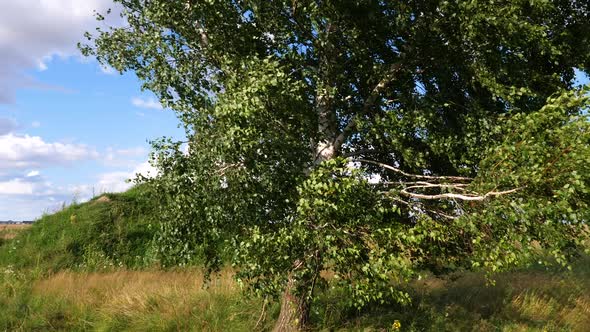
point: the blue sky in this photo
(68, 127)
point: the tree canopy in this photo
(372, 139)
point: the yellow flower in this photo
(396, 325)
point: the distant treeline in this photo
(11, 222)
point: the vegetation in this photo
(463, 113)
(174, 300)
(374, 164)
(45, 284)
(113, 230)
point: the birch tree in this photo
(372, 139)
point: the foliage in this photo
(545, 153)
(464, 111)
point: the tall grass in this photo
(92, 267)
(527, 300)
(154, 300)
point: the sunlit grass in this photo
(129, 301)
(155, 300)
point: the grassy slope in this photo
(91, 267)
(110, 230)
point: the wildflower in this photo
(396, 325)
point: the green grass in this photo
(92, 267)
(113, 230)
(174, 300)
(528, 300)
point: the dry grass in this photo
(152, 300)
(10, 231)
(176, 300)
(127, 292)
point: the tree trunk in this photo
(295, 308)
(294, 314)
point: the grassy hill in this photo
(93, 267)
(109, 230)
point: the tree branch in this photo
(356, 153)
(458, 185)
(462, 197)
(421, 208)
(368, 104)
(415, 176)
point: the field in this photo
(9, 231)
(123, 300)
(90, 267)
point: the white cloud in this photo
(41, 64)
(36, 124)
(16, 187)
(17, 152)
(26, 197)
(146, 103)
(32, 32)
(124, 157)
(145, 169)
(117, 181)
(132, 152)
(24, 207)
(33, 174)
(111, 182)
(114, 182)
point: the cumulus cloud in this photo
(31, 183)
(26, 196)
(118, 181)
(24, 151)
(24, 207)
(146, 103)
(16, 187)
(32, 32)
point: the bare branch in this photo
(223, 169)
(415, 176)
(462, 197)
(423, 184)
(421, 208)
